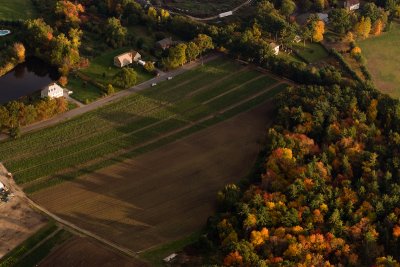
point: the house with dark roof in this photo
(165, 43)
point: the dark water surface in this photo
(25, 79)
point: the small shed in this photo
(52, 91)
(165, 43)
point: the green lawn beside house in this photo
(312, 52)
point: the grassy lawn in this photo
(312, 52)
(136, 124)
(383, 57)
(83, 92)
(17, 10)
(102, 70)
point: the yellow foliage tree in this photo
(355, 51)
(319, 30)
(363, 27)
(378, 26)
(19, 50)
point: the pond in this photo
(4, 32)
(26, 79)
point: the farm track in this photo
(120, 153)
(111, 125)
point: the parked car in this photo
(153, 84)
(169, 78)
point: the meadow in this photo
(383, 57)
(17, 10)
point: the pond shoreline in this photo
(25, 78)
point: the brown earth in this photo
(17, 220)
(84, 252)
(165, 194)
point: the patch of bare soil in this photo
(84, 252)
(17, 220)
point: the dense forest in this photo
(329, 192)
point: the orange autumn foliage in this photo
(233, 259)
(396, 231)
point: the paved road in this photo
(106, 100)
(247, 2)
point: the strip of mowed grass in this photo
(383, 57)
(125, 128)
(17, 10)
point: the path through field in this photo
(165, 194)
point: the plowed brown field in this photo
(165, 194)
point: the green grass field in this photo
(383, 57)
(136, 124)
(312, 52)
(17, 10)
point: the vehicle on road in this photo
(153, 84)
(169, 78)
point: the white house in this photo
(352, 4)
(275, 48)
(52, 91)
(126, 59)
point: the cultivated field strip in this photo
(85, 151)
(136, 122)
(149, 133)
(108, 160)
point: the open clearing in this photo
(136, 124)
(80, 251)
(162, 195)
(17, 220)
(17, 10)
(383, 57)
(203, 7)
